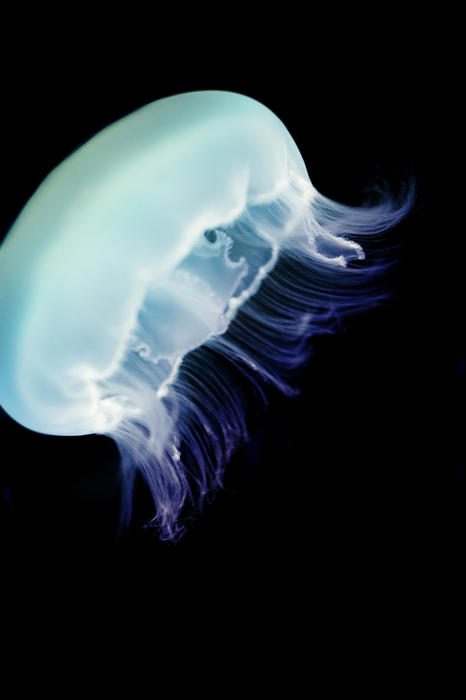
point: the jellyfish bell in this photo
(108, 223)
(154, 242)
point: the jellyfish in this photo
(179, 248)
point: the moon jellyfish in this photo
(179, 247)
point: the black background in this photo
(349, 497)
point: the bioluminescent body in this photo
(178, 242)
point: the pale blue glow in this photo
(150, 241)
